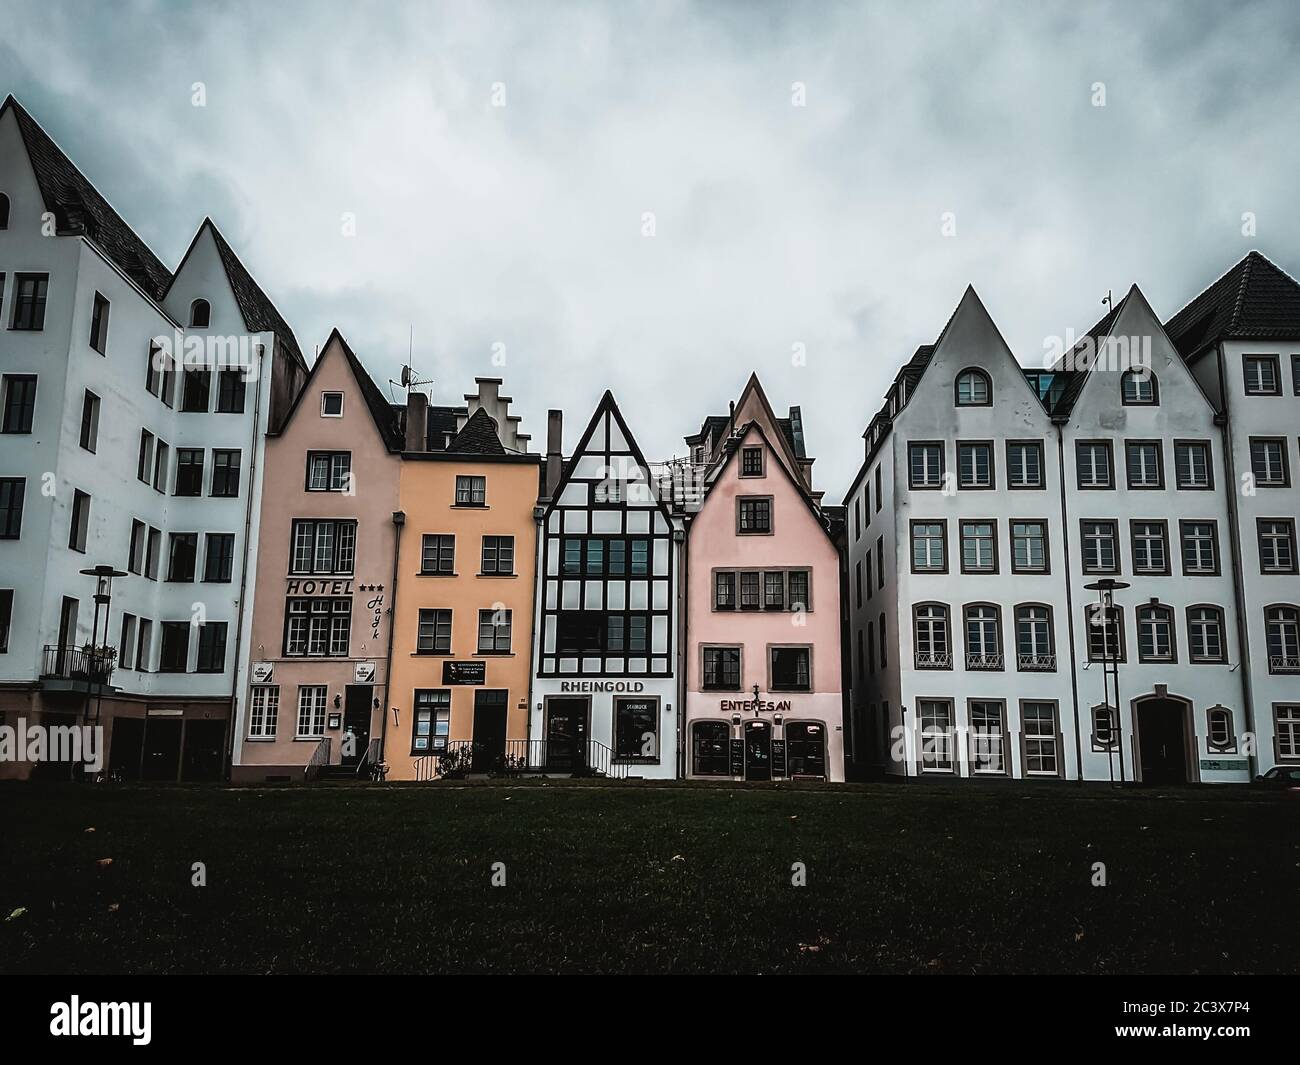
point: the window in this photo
(1029, 547)
(884, 662)
(880, 561)
(144, 645)
(498, 555)
(231, 387)
(724, 590)
(1277, 552)
(12, 490)
(1138, 388)
(1025, 464)
(1035, 649)
(1282, 637)
(1286, 727)
(1150, 541)
(311, 711)
(19, 403)
(975, 465)
(791, 669)
(200, 314)
(636, 730)
(327, 547)
(195, 390)
(1268, 461)
(933, 647)
(1200, 548)
(1144, 463)
(1040, 739)
(1094, 465)
(1155, 625)
(774, 590)
(329, 471)
(99, 324)
(722, 669)
(710, 748)
(1218, 726)
(438, 553)
(494, 631)
(80, 524)
(857, 519)
(1205, 634)
(29, 301)
(6, 615)
(160, 466)
(175, 654)
(1099, 547)
(973, 389)
(1105, 630)
(749, 590)
(126, 642)
(225, 473)
(144, 463)
(857, 579)
(153, 377)
(1192, 465)
(182, 557)
(331, 404)
(1262, 375)
(317, 627)
(264, 711)
(754, 514)
(189, 471)
(924, 467)
(4, 211)
(169, 375)
(797, 586)
(135, 549)
(983, 623)
(212, 647)
(979, 547)
(937, 755)
(988, 736)
(153, 552)
(471, 491)
(432, 720)
(751, 462)
(89, 421)
(879, 493)
(434, 633)
(219, 562)
(1295, 369)
(1105, 737)
(928, 548)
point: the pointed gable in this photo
(479, 437)
(1255, 300)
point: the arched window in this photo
(983, 624)
(1035, 650)
(1219, 732)
(1155, 625)
(1282, 635)
(709, 742)
(933, 644)
(974, 389)
(1205, 634)
(4, 211)
(200, 314)
(1138, 388)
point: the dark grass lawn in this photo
(937, 879)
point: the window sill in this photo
(431, 573)
(259, 739)
(499, 576)
(493, 654)
(433, 654)
(308, 739)
(469, 506)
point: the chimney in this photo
(417, 421)
(554, 449)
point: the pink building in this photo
(764, 698)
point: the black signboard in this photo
(737, 758)
(778, 758)
(464, 673)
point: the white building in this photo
(605, 691)
(125, 446)
(990, 497)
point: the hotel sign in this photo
(588, 687)
(745, 706)
(315, 587)
(464, 673)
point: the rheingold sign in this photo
(587, 687)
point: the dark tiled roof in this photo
(479, 437)
(1255, 300)
(259, 312)
(1072, 369)
(78, 207)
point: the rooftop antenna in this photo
(1108, 301)
(408, 378)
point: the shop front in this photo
(761, 739)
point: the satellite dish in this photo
(406, 376)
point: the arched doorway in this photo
(758, 750)
(806, 748)
(1162, 740)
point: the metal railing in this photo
(1283, 664)
(978, 661)
(934, 660)
(320, 758)
(585, 758)
(78, 663)
(1036, 663)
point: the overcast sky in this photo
(775, 225)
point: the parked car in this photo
(1280, 776)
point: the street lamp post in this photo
(103, 597)
(1106, 589)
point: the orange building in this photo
(462, 632)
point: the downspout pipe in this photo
(1069, 603)
(399, 520)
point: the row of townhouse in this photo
(1087, 572)
(135, 405)
(432, 594)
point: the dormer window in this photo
(4, 211)
(1138, 388)
(974, 389)
(331, 404)
(200, 314)
(751, 462)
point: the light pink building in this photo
(764, 698)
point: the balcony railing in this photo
(577, 758)
(934, 660)
(1036, 663)
(1283, 664)
(984, 661)
(92, 665)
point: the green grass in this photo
(900, 878)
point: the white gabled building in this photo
(605, 661)
(112, 455)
